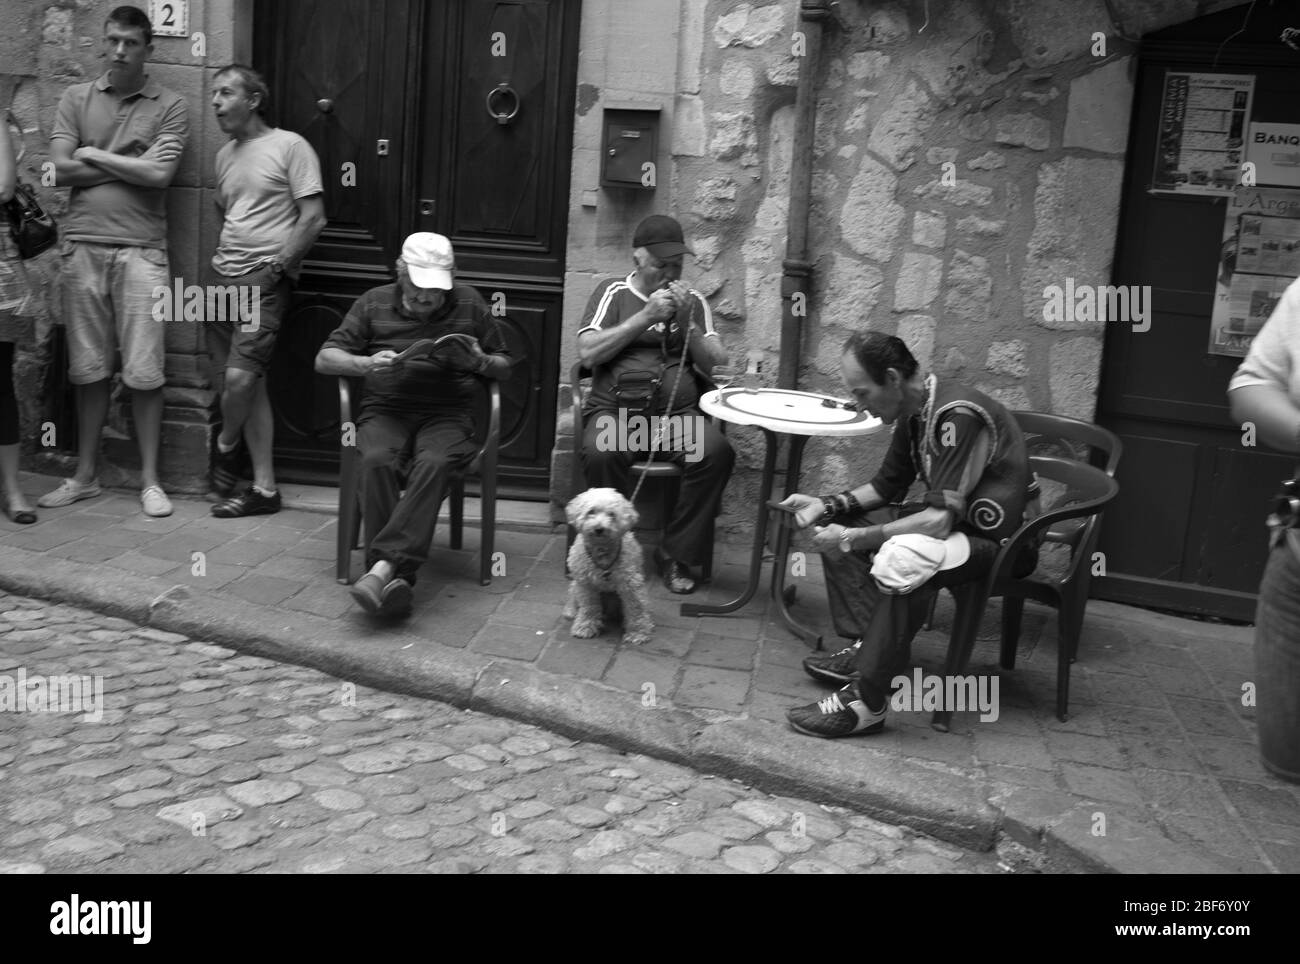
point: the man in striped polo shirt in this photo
(634, 335)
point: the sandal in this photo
(676, 575)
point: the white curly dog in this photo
(606, 557)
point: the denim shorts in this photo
(108, 300)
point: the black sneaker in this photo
(248, 503)
(225, 473)
(843, 713)
(839, 668)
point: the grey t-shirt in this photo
(259, 183)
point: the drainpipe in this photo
(796, 270)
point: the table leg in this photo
(760, 536)
(781, 596)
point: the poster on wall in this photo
(1203, 120)
(1274, 149)
(1260, 257)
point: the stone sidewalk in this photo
(1156, 769)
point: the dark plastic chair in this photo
(484, 465)
(1088, 491)
(1063, 437)
(654, 471)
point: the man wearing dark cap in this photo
(635, 334)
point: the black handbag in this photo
(32, 229)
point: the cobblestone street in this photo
(207, 761)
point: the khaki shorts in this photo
(243, 321)
(108, 300)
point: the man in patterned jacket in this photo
(968, 452)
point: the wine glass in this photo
(724, 375)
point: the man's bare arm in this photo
(597, 347)
(812, 509)
(497, 367)
(154, 168)
(707, 350)
(73, 173)
(311, 222)
(1276, 417)
(336, 361)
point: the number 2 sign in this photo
(171, 18)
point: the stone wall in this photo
(961, 164)
(46, 47)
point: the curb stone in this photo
(930, 799)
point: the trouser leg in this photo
(605, 466)
(383, 441)
(848, 574)
(886, 649)
(443, 445)
(706, 459)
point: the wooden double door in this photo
(1187, 530)
(454, 116)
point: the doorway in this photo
(1187, 530)
(454, 117)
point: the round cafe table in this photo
(799, 415)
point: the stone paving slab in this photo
(1157, 740)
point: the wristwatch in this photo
(846, 541)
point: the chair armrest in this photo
(350, 388)
(575, 389)
(487, 453)
(1029, 532)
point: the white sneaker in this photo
(155, 502)
(68, 492)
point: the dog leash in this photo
(672, 397)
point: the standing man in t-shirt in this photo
(269, 192)
(117, 142)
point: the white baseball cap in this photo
(429, 260)
(906, 561)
